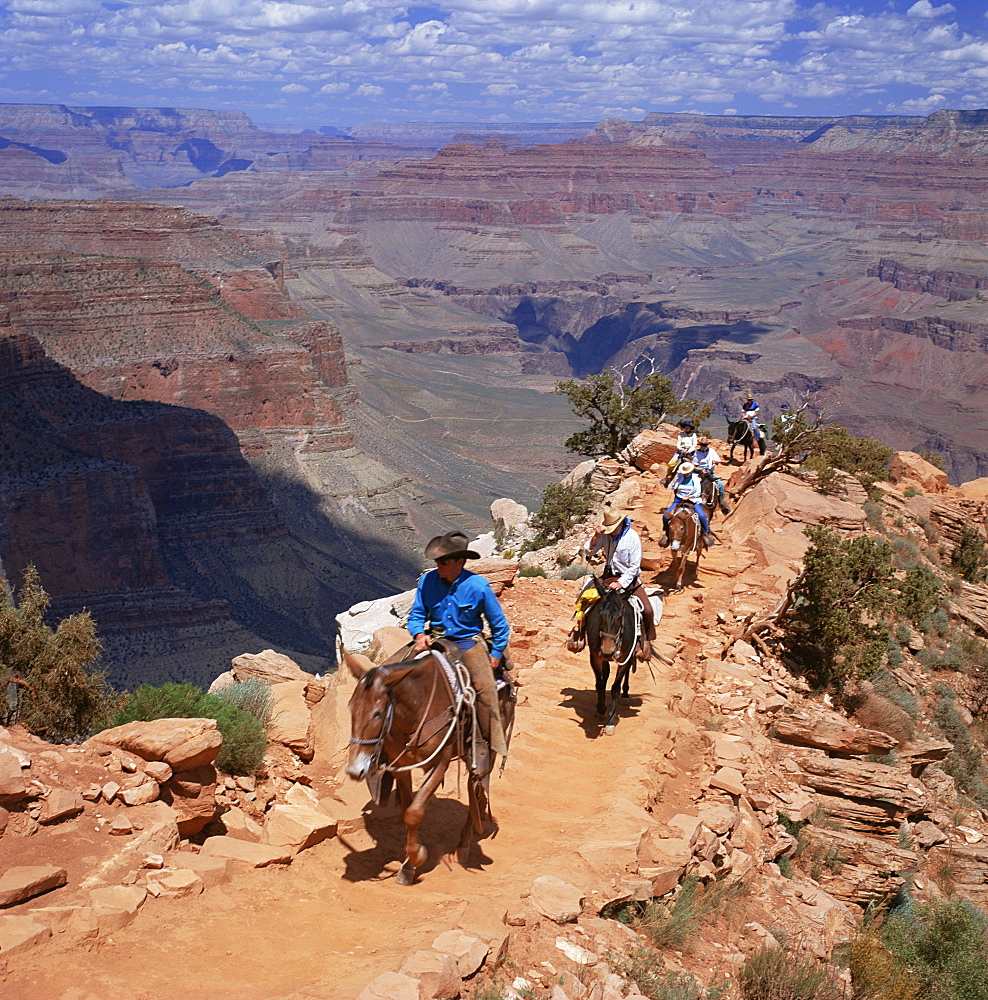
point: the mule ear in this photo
(357, 663)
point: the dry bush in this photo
(781, 973)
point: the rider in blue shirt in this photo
(688, 490)
(454, 602)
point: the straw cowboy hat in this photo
(613, 519)
(452, 545)
(686, 468)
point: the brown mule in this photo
(685, 539)
(404, 715)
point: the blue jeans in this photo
(701, 513)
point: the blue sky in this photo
(338, 62)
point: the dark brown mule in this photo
(403, 715)
(739, 432)
(685, 539)
(612, 630)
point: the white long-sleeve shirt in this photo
(706, 460)
(623, 554)
(687, 488)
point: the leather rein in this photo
(378, 741)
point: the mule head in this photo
(372, 710)
(678, 521)
(610, 622)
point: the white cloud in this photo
(540, 58)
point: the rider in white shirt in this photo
(685, 446)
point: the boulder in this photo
(25, 882)
(116, 906)
(254, 855)
(387, 641)
(511, 526)
(297, 827)
(832, 734)
(358, 624)
(909, 470)
(391, 986)
(269, 666)
(212, 870)
(61, 804)
(466, 950)
(176, 884)
(192, 794)
(436, 972)
(976, 489)
(238, 824)
(140, 794)
(556, 899)
(182, 744)
(653, 447)
(18, 934)
(291, 719)
(13, 785)
(499, 573)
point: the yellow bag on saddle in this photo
(584, 601)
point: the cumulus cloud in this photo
(488, 59)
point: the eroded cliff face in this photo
(149, 516)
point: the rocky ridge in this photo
(723, 766)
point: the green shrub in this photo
(575, 571)
(846, 592)
(884, 683)
(244, 739)
(919, 593)
(645, 968)
(779, 973)
(251, 695)
(970, 557)
(943, 944)
(672, 925)
(933, 457)
(873, 512)
(561, 506)
(62, 695)
(532, 571)
(835, 447)
(966, 762)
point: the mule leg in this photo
(602, 670)
(415, 854)
(624, 687)
(478, 810)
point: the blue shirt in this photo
(459, 608)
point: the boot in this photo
(644, 651)
(664, 542)
(724, 509)
(709, 540)
(577, 641)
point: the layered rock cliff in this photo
(148, 515)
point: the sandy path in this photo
(324, 926)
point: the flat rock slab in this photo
(255, 855)
(116, 906)
(13, 785)
(391, 986)
(176, 884)
(183, 744)
(20, 933)
(437, 973)
(212, 871)
(61, 804)
(18, 884)
(556, 899)
(77, 923)
(297, 827)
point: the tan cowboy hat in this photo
(452, 545)
(749, 396)
(703, 442)
(686, 468)
(613, 519)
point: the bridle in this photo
(615, 637)
(389, 713)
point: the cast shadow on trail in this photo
(439, 833)
(583, 702)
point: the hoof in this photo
(405, 876)
(421, 856)
(608, 730)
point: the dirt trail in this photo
(328, 923)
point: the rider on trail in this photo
(688, 490)
(622, 549)
(453, 601)
(749, 412)
(706, 459)
(685, 446)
